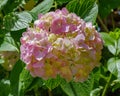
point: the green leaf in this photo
(79, 88)
(53, 83)
(96, 92)
(43, 7)
(4, 87)
(108, 40)
(66, 87)
(14, 22)
(36, 83)
(2, 3)
(114, 66)
(12, 5)
(1, 61)
(16, 35)
(112, 49)
(96, 72)
(118, 46)
(86, 9)
(14, 77)
(118, 68)
(91, 16)
(24, 81)
(62, 1)
(8, 44)
(115, 49)
(106, 6)
(115, 84)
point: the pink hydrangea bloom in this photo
(61, 43)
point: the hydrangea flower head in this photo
(61, 43)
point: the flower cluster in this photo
(9, 59)
(61, 43)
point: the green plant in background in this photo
(112, 42)
(17, 15)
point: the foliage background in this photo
(17, 15)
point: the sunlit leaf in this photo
(66, 87)
(86, 9)
(78, 88)
(2, 3)
(115, 85)
(108, 40)
(8, 44)
(115, 49)
(1, 61)
(14, 22)
(112, 49)
(96, 92)
(114, 66)
(43, 7)
(53, 83)
(24, 81)
(118, 68)
(118, 46)
(91, 16)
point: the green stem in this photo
(113, 22)
(106, 86)
(55, 5)
(50, 93)
(36, 92)
(103, 25)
